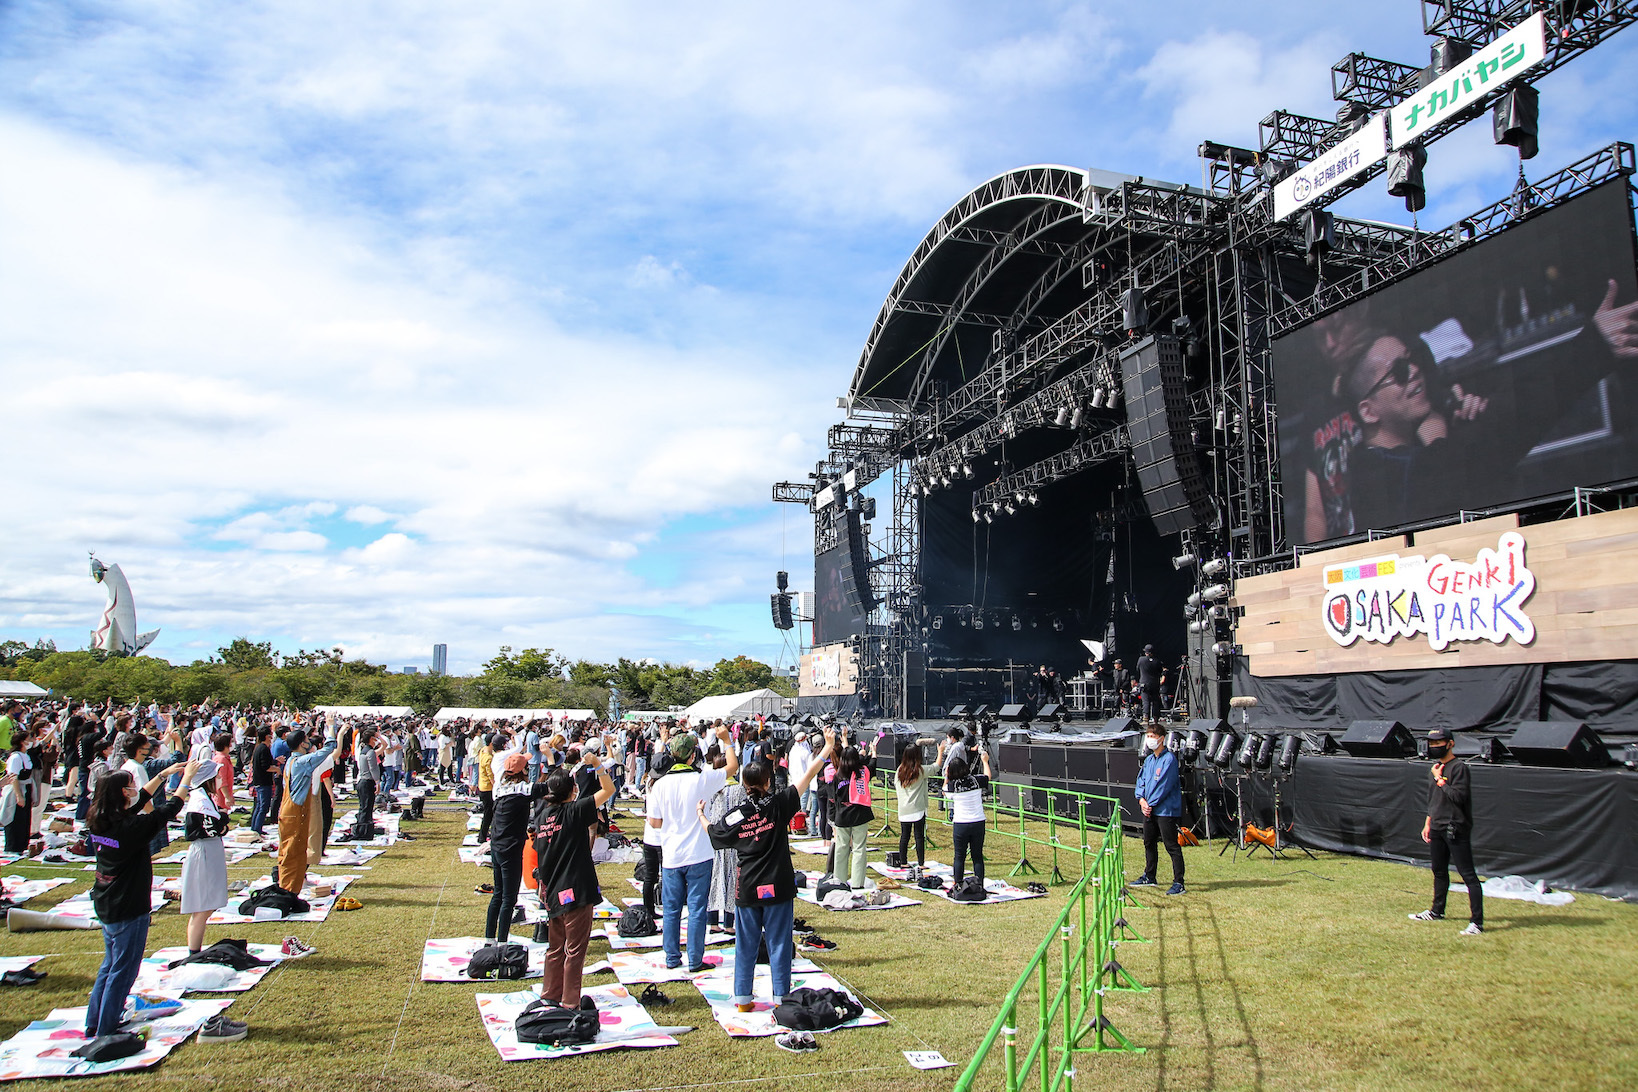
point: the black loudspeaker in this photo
(1046, 761)
(1208, 726)
(781, 606)
(1163, 448)
(1514, 119)
(1016, 712)
(1405, 176)
(1378, 739)
(1558, 743)
(856, 577)
(1088, 764)
(1123, 767)
(1123, 724)
(1014, 758)
(1050, 711)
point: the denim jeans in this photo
(687, 886)
(122, 957)
(262, 808)
(83, 805)
(390, 776)
(968, 836)
(752, 923)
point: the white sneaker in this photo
(1474, 929)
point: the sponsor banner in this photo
(1500, 62)
(1446, 601)
(1361, 151)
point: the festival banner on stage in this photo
(1383, 598)
(1498, 63)
(1359, 152)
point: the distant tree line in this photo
(251, 673)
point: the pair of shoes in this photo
(142, 1007)
(1176, 889)
(1426, 915)
(347, 902)
(888, 883)
(1142, 881)
(1474, 929)
(800, 926)
(219, 1029)
(745, 1006)
(797, 1042)
(485, 889)
(813, 942)
(1036, 887)
(293, 948)
(699, 968)
(653, 996)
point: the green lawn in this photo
(1268, 974)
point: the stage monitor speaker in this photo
(1558, 743)
(1378, 739)
(1014, 758)
(1051, 710)
(1123, 724)
(1158, 420)
(1088, 764)
(958, 713)
(1017, 712)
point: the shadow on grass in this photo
(1545, 921)
(1225, 885)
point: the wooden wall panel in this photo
(1585, 606)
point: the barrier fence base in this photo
(1115, 974)
(1097, 1030)
(1025, 867)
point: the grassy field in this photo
(1267, 974)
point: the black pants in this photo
(1454, 846)
(364, 824)
(1151, 704)
(920, 828)
(968, 836)
(327, 812)
(508, 869)
(486, 797)
(1161, 828)
(651, 869)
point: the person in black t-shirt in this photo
(765, 901)
(1449, 832)
(261, 778)
(1149, 672)
(567, 877)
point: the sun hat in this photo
(517, 763)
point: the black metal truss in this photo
(793, 492)
(1015, 488)
(1371, 82)
(1576, 24)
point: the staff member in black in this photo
(1149, 672)
(1449, 832)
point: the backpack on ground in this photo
(970, 889)
(895, 859)
(501, 961)
(808, 1009)
(553, 1025)
(274, 898)
(637, 922)
(826, 886)
(929, 883)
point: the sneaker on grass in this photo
(142, 1007)
(1176, 889)
(797, 1042)
(1474, 929)
(1426, 915)
(293, 948)
(219, 1029)
(1142, 881)
(813, 942)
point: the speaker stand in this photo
(1238, 839)
(1279, 831)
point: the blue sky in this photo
(385, 324)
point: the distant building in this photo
(440, 659)
(410, 671)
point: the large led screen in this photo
(1504, 373)
(836, 616)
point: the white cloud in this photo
(368, 515)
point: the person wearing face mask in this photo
(1161, 797)
(1449, 832)
(296, 813)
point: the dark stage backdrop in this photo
(1516, 320)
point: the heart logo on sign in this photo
(1341, 613)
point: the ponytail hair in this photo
(559, 787)
(757, 777)
(108, 802)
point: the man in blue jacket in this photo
(1161, 798)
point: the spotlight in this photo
(1113, 400)
(1514, 119)
(1009, 508)
(1058, 625)
(1290, 747)
(1062, 417)
(977, 515)
(945, 480)
(1034, 499)
(1405, 176)
(966, 470)
(978, 621)
(1265, 752)
(989, 516)
(1215, 591)
(1193, 601)
(1247, 757)
(1199, 625)
(1224, 754)
(1214, 566)
(1019, 496)
(1075, 418)
(1185, 561)
(963, 619)
(1223, 648)
(1174, 741)
(1016, 624)
(938, 621)
(1097, 396)
(1192, 745)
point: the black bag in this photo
(970, 889)
(808, 1009)
(274, 898)
(637, 922)
(895, 859)
(640, 874)
(227, 952)
(417, 808)
(553, 1025)
(801, 880)
(543, 932)
(929, 883)
(111, 1048)
(503, 961)
(829, 885)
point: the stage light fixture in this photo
(977, 515)
(1247, 756)
(1265, 752)
(1034, 499)
(1405, 176)
(1076, 417)
(978, 621)
(946, 479)
(966, 470)
(1193, 601)
(989, 516)
(1016, 624)
(1058, 625)
(1223, 755)
(1009, 508)
(938, 621)
(1185, 561)
(963, 620)
(1113, 401)
(1515, 117)
(1223, 648)
(1097, 396)
(1215, 591)
(1192, 745)
(1174, 741)
(1290, 748)
(1062, 417)
(1199, 625)
(1214, 566)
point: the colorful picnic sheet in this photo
(19, 889)
(717, 987)
(319, 908)
(618, 1011)
(155, 976)
(45, 1048)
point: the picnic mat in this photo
(618, 1010)
(618, 943)
(79, 906)
(320, 908)
(445, 960)
(636, 968)
(20, 889)
(994, 891)
(344, 826)
(535, 914)
(339, 856)
(234, 854)
(45, 1047)
(717, 987)
(153, 976)
(473, 855)
(474, 821)
(814, 846)
(18, 962)
(931, 868)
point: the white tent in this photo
(365, 710)
(752, 703)
(9, 689)
(558, 716)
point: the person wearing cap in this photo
(204, 821)
(1160, 795)
(296, 813)
(685, 850)
(1149, 674)
(1449, 832)
(514, 795)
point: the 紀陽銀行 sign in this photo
(1503, 60)
(1444, 600)
(1359, 152)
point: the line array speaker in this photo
(1163, 449)
(856, 577)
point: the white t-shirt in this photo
(675, 801)
(395, 753)
(18, 763)
(801, 757)
(967, 807)
(498, 763)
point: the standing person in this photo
(799, 757)
(93, 745)
(446, 755)
(20, 765)
(765, 895)
(121, 824)
(910, 783)
(1449, 832)
(295, 815)
(853, 815)
(514, 794)
(10, 712)
(261, 779)
(719, 908)
(392, 764)
(369, 777)
(280, 748)
(966, 792)
(204, 821)
(685, 850)
(1160, 795)
(567, 878)
(1149, 673)
(531, 750)
(486, 786)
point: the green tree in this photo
(243, 654)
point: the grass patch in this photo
(1268, 974)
